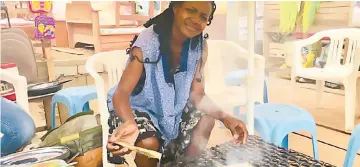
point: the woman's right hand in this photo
(127, 132)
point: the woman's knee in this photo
(20, 121)
(27, 132)
(26, 128)
(151, 143)
(23, 132)
(16, 125)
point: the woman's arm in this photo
(198, 96)
(128, 81)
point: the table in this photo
(46, 99)
(255, 152)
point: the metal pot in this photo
(44, 88)
(35, 156)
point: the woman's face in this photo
(191, 17)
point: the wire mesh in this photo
(256, 152)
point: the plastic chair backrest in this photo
(114, 62)
(16, 31)
(20, 85)
(225, 57)
(337, 38)
(14, 51)
(18, 37)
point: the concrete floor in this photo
(279, 92)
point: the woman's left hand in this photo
(238, 129)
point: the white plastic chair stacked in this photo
(20, 85)
(114, 62)
(334, 71)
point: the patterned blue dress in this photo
(160, 101)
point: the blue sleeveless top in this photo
(163, 98)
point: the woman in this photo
(16, 125)
(162, 87)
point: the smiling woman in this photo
(182, 20)
(157, 103)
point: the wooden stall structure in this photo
(90, 26)
(19, 11)
(330, 15)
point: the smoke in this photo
(234, 155)
(238, 157)
(206, 104)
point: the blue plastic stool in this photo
(274, 122)
(353, 147)
(76, 100)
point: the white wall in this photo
(59, 8)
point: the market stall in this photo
(329, 15)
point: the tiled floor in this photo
(331, 111)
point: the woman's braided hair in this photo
(163, 27)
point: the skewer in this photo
(146, 152)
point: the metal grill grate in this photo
(255, 152)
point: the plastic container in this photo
(10, 66)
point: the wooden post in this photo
(232, 23)
(117, 14)
(351, 14)
(46, 48)
(251, 65)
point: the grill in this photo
(255, 152)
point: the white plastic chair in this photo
(114, 62)
(225, 57)
(334, 71)
(20, 85)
